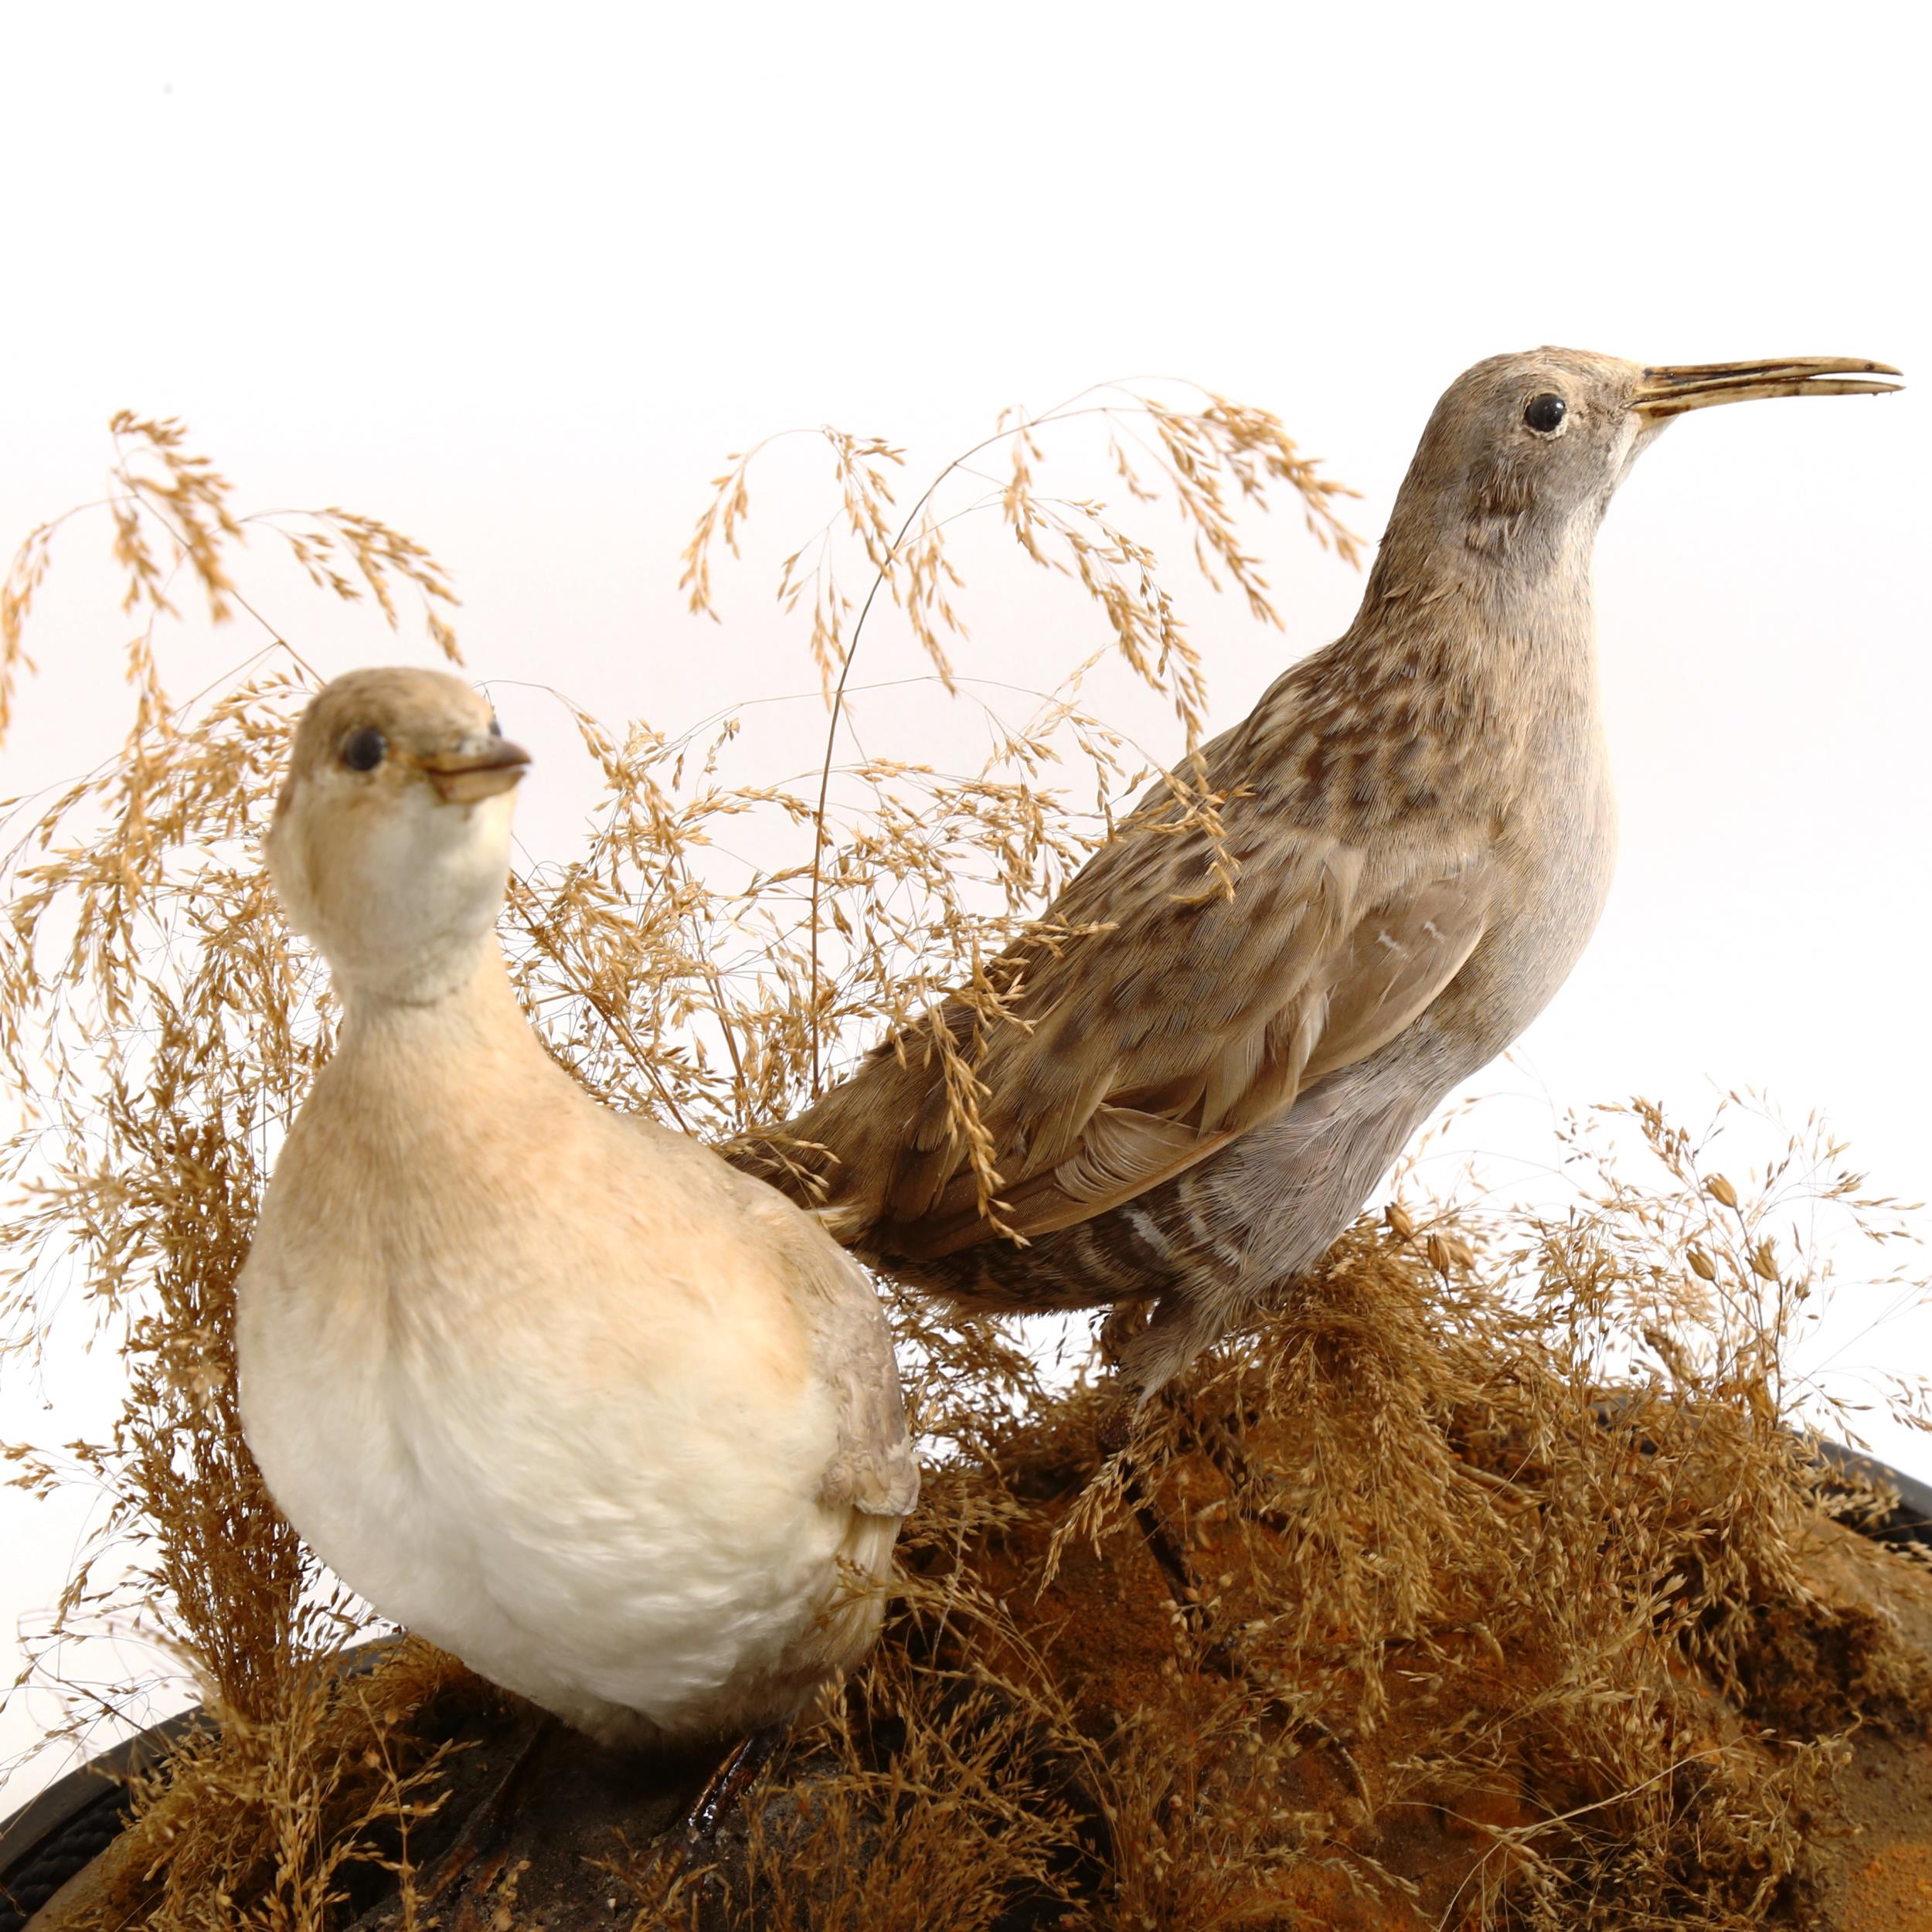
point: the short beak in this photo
(478, 767)
(1696, 385)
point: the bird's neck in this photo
(1510, 625)
(471, 1024)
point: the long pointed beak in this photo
(1695, 385)
(478, 768)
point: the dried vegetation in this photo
(1501, 1532)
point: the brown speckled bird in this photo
(1198, 1100)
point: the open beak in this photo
(478, 767)
(1695, 385)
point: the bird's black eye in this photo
(1544, 414)
(364, 749)
(496, 725)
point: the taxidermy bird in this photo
(1194, 1098)
(553, 1387)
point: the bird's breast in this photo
(1558, 861)
(529, 1396)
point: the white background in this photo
(515, 279)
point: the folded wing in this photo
(1142, 1050)
(873, 1467)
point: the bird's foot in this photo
(727, 1785)
(1115, 1436)
(686, 1861)
(1224, 1657)
(1221, 1654)
(449, 1886)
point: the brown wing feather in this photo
(1123, 1153)
(1395, 963)
(1302, 995)
(1137, 1016)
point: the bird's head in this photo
(1523, 453)
(391, 841)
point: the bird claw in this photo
(473, 1861)
(742, 1767)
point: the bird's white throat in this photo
(401, 892)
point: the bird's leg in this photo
(1162, 1545)
(1116, 1432)
(740, 1770)
(477, 1853)
(1126, 1324)
(1126, 1338)
(736, 1773)
(1222, 1656)
(1218, 1442)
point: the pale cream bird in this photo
(550, 1386)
